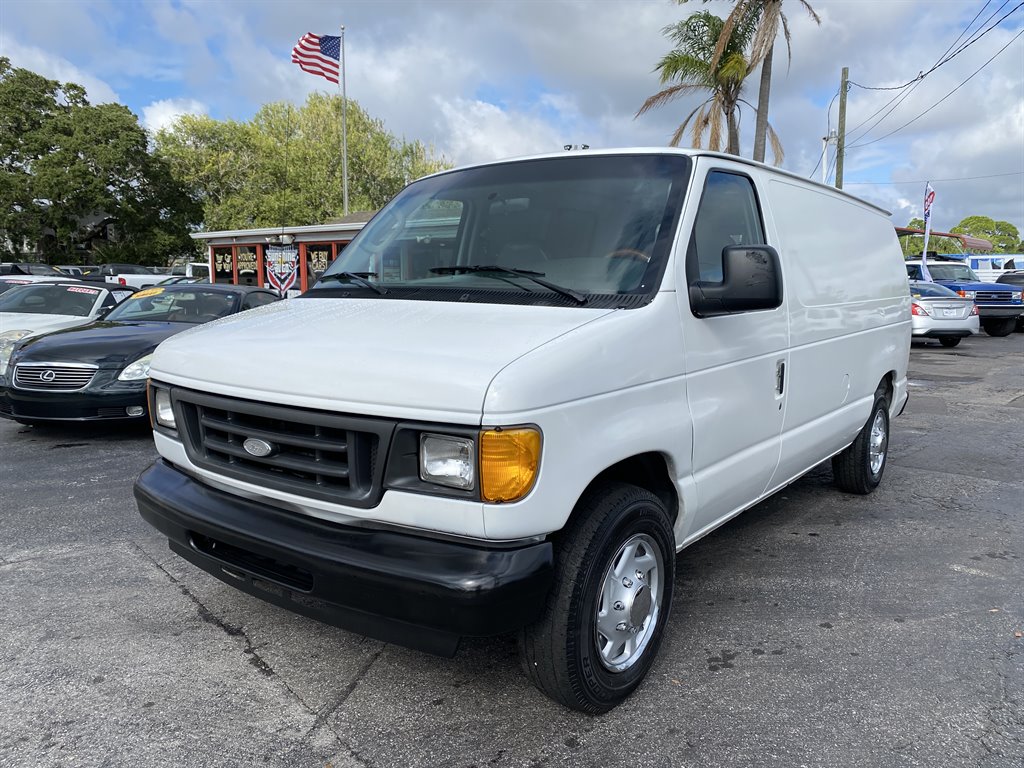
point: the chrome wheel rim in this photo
(877, 443)
(629, 605)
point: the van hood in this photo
(372, 356)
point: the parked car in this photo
(7, 282)
(77, 270)
(103, 271)
(46, 305)
(181, 279)
(516, 426)
(938, 312)
(1015, 278)
(27, 268)
(99, 371)
(999, 306)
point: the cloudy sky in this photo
(483, 79)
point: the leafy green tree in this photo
(284, 167)
(1002, 234)
(691, 67)
(70, 171)
(913, 244)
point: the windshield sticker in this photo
(148, 292)
(90, 291)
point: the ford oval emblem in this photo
(258, 448)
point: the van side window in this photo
(728, 215)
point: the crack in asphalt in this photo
(320, 716)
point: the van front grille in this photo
(309, 453)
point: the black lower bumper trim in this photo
(413, 591)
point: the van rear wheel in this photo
(605, 616)
(859, 468)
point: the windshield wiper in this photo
(359, 278)
(529, 274)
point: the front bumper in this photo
(1010, 310)
(405, 589)
(104, 399)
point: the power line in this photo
(924, 181)
(933, 106)
(828, 129)
(944, 58)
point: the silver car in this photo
(939, 313)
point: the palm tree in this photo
(689, 68)
(692, 66)
(770, 17)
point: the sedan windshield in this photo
(171, 305)
(51, 299)
(570, 230)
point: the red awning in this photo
(969, 243)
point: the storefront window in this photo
(247, 265)
(223, 269)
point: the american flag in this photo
(318, 55)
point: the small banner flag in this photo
(318, 55)
(929, 198)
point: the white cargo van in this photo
(524, 387)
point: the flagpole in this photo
(344, 122)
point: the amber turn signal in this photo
(509, 460)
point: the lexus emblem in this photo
(47, 376)
(258, 448)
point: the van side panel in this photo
(849, 318)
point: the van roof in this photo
(668, 151)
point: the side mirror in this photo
(750, 281)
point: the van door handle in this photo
(780, 376)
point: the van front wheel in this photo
(605, 616)
(859, 468)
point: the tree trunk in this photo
(733, 147)
(761, 126)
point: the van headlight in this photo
(137, 371)
(447, 460)
(160, 408)
(8, 341)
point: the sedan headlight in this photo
(447, 460)
(137, 371)
(8, 341)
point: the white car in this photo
(8, 282)
(48, 304)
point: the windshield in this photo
(51, 299)
(589, 227)
(945, 271)
(930, 290)
(165, 305)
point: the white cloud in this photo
(161, 114)
(44, 63)
(478, 131)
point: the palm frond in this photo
(666, 95)
(715, 127)
(778, 154)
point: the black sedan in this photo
(99, 371)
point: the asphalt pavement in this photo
(817, 629)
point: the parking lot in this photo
(817, 629)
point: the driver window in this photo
(728, 215)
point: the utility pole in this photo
(841, 146)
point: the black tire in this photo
(999, 326)
(949, 341)
(852, 469)
(560, 652)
